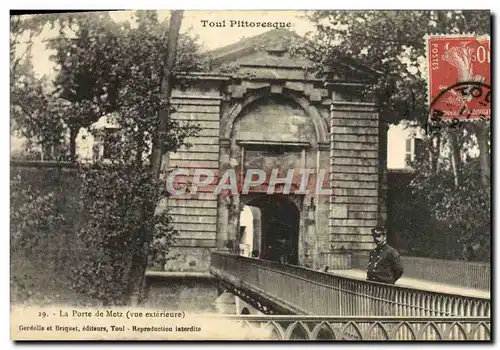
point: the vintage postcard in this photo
(250, 175)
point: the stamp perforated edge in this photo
(443, 35)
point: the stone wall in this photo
(191, 294)
(195, 214)
(354, 175)
(40, 273)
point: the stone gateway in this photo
(274, 112)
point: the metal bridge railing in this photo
(317, 293)
(466, 274)
(362, 328)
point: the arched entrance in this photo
(280, 226)
(268, 131)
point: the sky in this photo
(209, 37)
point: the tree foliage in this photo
(33, 215)
(114, 70)
(438, 219)
(121, 191)
(449, 201)
(98, 63)
(35, 114)
(393, 43)
(34, 224)
(110, 66)
(113, 198)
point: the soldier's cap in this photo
(379, 230)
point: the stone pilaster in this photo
(354, 177)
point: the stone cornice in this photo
(195, 97)
(297, 144)
(353, 106)
(341, 83)
(203, 76)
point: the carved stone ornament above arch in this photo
(310, 110)
(252, 198)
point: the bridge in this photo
(300, 303)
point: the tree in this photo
(125, 228)
(139, 263)
(98, 68)
(23, 29)
(34, 112)
(87, 77)
(452, 219)
(93, 63)
(392, 42)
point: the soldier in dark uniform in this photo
(385, 264)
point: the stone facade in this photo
(274, 102)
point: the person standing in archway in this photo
(282, 250)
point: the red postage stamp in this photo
(459, 77)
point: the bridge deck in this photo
(285, 289)
(419, 284)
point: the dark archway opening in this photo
(280, 220)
